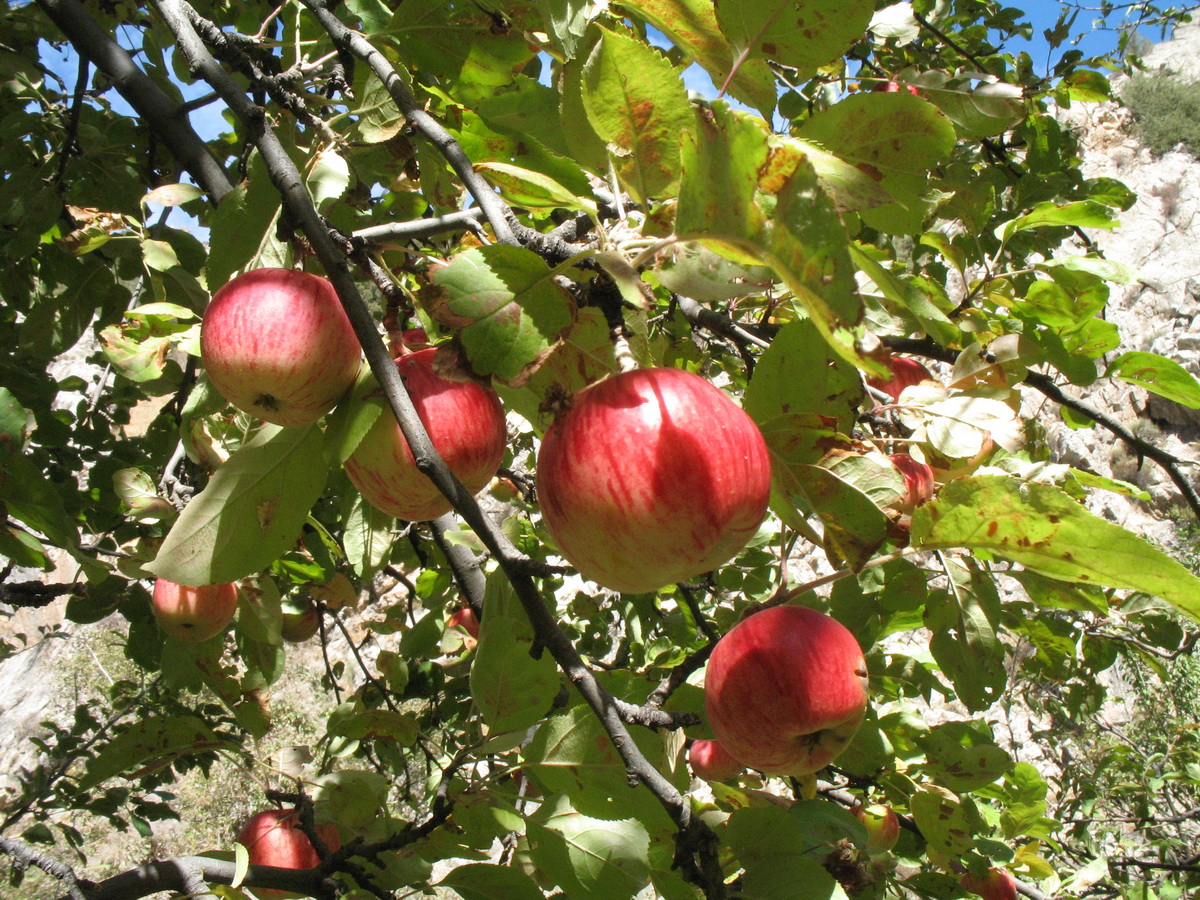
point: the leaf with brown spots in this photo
(692, 26)
(636, 101)
(803, 34)
(1042, 528)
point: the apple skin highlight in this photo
(652, 477)
(785, 690)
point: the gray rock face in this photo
(1160, 312)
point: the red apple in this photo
(905, 372)
(465, 619)
(277, 344)
(712, 762)
(273, 838)
(651, 477)
(299, 625)
(786, 689)
(882, 825)
(918, 481)
(466, 424)
(995, 884)
(193, 613)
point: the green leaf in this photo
(635, 100)
(152, 745)
(374, 724)
(726, 161)
(512, 689)
(509, 309)
(772, 844)
(896, 133)
(803, 34)
(963, 756)
(1158, 375)
(159, 255)
(329, 177)
(855, 527)
(251, 511)
(1081, 214)
(530, 189)
(608, 857)
(367, 538)
(1046, 530)
(830, 388)
(697, 272)
(906, 292)
(242, 224)
(692, 26)
(485, 881)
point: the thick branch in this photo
(191, 875)
(150, 101)
(25, 855)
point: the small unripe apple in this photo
(918, 481)
(300, 625)
(712, 762)
(652, 477)
(278, 345)
(995, 884)
(786, 689)
(193, 613)
(882, 825)
(466, 424)
(273, 838)
(905, 373)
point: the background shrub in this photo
(1166, 112)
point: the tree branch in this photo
(25, 855)
(150, 101)
(494, 209)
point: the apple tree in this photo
(687, 249)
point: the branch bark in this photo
(151, 102)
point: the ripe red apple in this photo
(299, 625)
(712, 762)
(786, 689)
(278, 345)
(882, 824)
(193, 613)
(995, 884)
(905, 372)
(918, 481)
(465, 619)
(273, 838)
(651, 477)
(466, 424)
